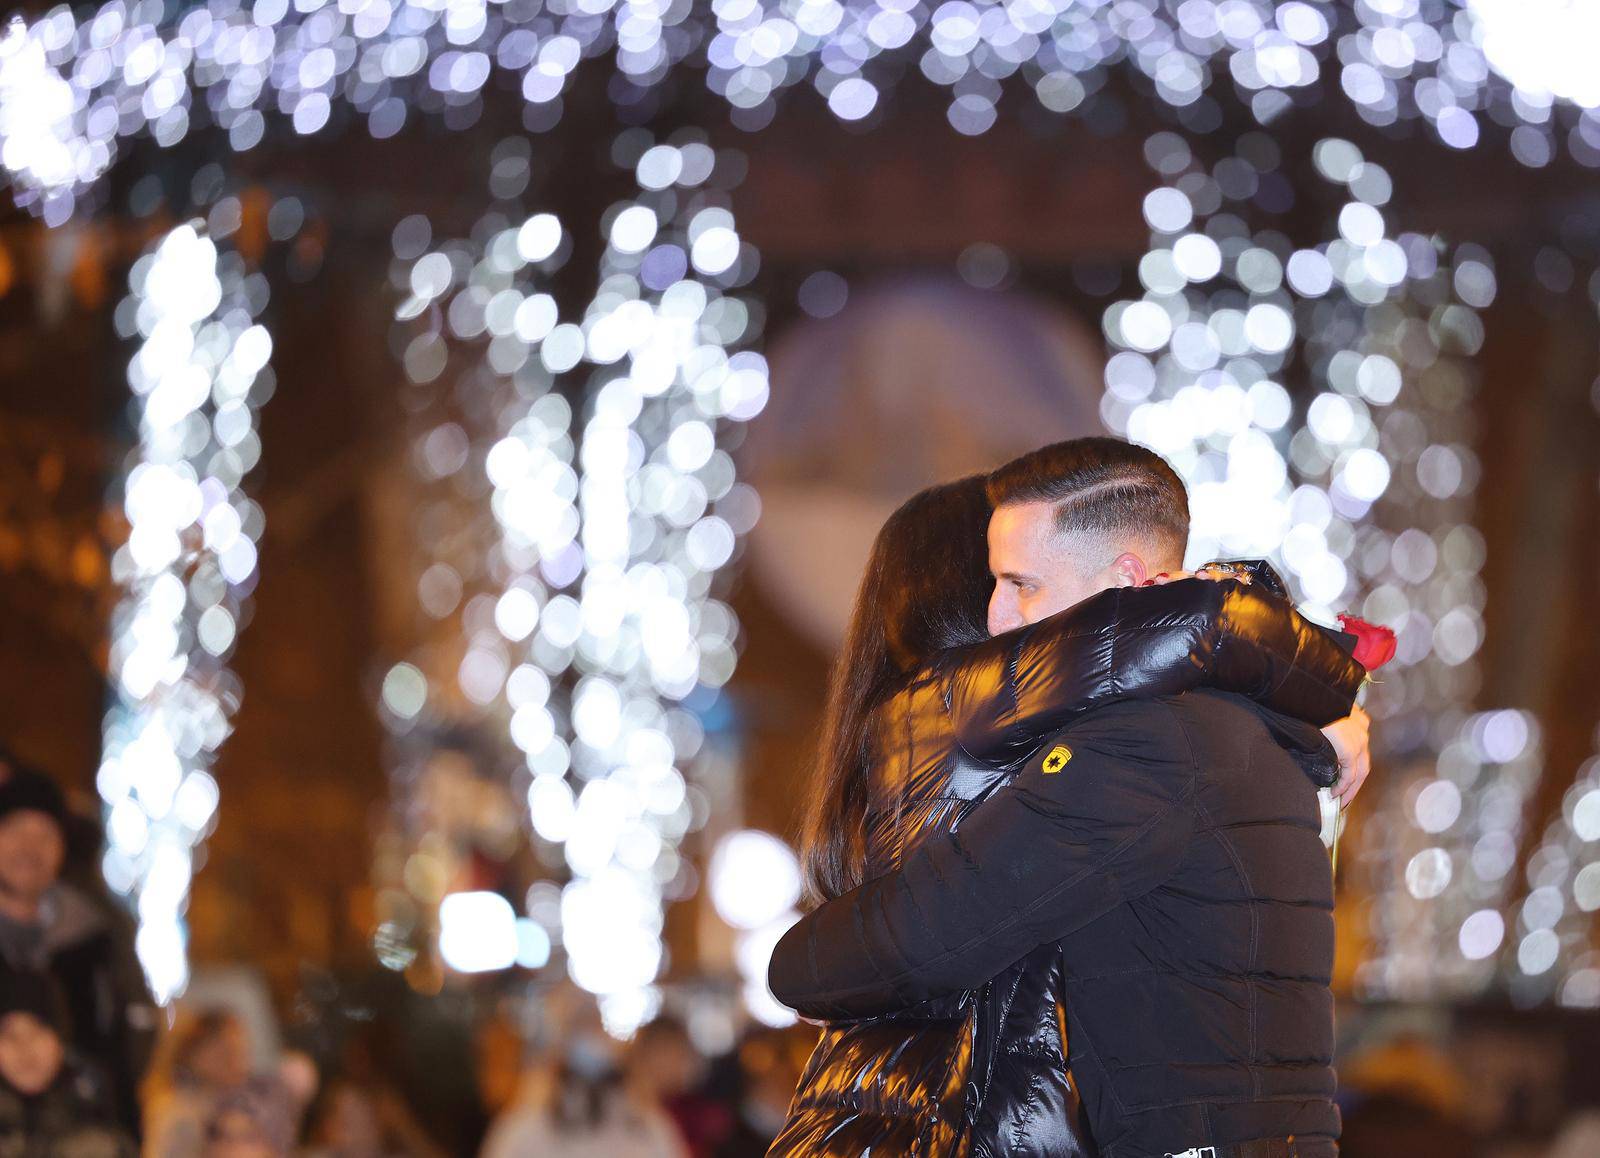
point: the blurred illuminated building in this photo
(579, 595)
(1311, 199)
(896, 364)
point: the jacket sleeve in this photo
(1100, 816)
(1010, 692)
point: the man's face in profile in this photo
(1035, 572)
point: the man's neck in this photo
(19, 909)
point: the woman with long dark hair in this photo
(925, 716)
(925, 589)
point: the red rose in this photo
(1374, 642)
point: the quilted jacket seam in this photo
(1250, 981)
(893, 980)
(934, 1119)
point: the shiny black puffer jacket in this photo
(986, 1073)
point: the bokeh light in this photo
(74, 86)
(1366, 502)
(1312, 391)
(609, 527)
(197, 377)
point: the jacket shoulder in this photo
(1143, 731)
(1211, 712)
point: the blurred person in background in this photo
(663, 1068)
(50, 1105)
(575, 1102)
(205, 1059)
(50, 927)
(258, 1119)
(360, 1121)
(1579, 1136)
(498, 1050)
(770, 1064)
(1404, 1095)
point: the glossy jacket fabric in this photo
(986, 1073)
(1169, 848)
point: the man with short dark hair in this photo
(1075, 518)
(50, 928)
(1169, 846)
(1078, 517)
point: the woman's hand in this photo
(1350, 736)
(1350, 739)
(1212, 571)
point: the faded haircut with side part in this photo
(1101, 487)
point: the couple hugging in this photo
(1064, 836)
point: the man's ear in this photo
(1128, 570)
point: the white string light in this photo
(71, 89)
(1367, 503)
(186, 570)
(1549, 951)
(1201, 375)
(612, 525)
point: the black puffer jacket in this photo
(986, 1073)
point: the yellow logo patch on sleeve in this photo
(1057, 759)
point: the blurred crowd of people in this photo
(76, 1023)
(589, 1096)
(90, 1067)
